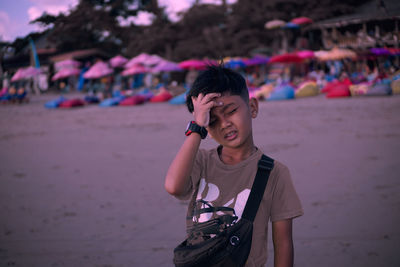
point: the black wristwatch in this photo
(193, 127)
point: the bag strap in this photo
(265, 165)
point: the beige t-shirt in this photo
(230, 185)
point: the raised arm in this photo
(177, 179)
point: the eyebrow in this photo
(225, 107)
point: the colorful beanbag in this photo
(54, 103)
(379, 90)
(329, 86)
(359, 89)
(163, 96)
(72, 103)
(395, 87)
(114, 101)
(282, 93)
(341, 90)
(264, 91)
(307, 89)
(179, 99)
(146, 93)
(133, 100)
(91, 99)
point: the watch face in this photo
(187, 127)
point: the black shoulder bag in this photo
(224, 242)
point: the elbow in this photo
(170, 189)
(174, 188)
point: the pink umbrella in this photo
(65, 73)
(273, 24)
(286, 58)
(302, 20)
(135, 69)
(153, 60)
(195, 64)
(166, 66)
(25, 73)
(118, 61)
(98, 70)
(144, 59)
(137, 60)
(68, 63)
(18, 75)
(305, 54)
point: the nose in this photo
(225, 122)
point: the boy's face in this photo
(230, 124)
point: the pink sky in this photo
(16, 14)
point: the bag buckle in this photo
(265, 164)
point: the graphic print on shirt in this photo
(237, 203)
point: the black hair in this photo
(218, 79)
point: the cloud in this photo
(49, 6)
(142, 18)
(172, 7)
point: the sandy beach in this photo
(85, 186)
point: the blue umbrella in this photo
(291, 25)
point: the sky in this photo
(16, 14)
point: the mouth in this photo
(230, 135)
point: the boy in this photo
(219, 101)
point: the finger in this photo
(200, 96)
(213, 104)
(210, 97)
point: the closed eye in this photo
(232, 111)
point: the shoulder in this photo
(280, 169)
(280, 176)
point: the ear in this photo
(253, 106)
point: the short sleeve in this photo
(195, 175)
(285, 201)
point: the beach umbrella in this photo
(286, 58)
(166, 66)
(98, 70)
(144, 59)
(274, 24)
(30, 72)
(234, 63)
(193, 64)
(336, 54)
(18, 75)
(139, 59)
(118, 61)
(305, 54)
(394, 51)
(257, 60)
(135, 69)
(302, 20)
(65, 73)
(153, 60)
(291, 25)
(68, 63)
(380, 51)
(25, 73)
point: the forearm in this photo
(178, 175)
(283, 255)
(283, 243)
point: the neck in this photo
(233, 156)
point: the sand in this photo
(84, 187)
